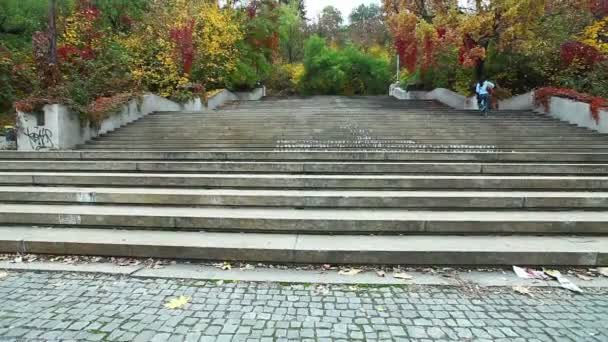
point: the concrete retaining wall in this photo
(56, 128)
(253, 95)
(519, 102)
(445, 96)
(578, 113)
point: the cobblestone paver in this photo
(60, 306)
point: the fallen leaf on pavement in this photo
(603, 271)
(402, 275)
(381, 274)
(583, 277)
(18, 260)
(326, 267)
(350, 272)
(528, 273)
(177, 303)
(522, 290)
(563, 281)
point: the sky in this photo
(314, 7)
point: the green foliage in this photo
(19, 19)
(291, 33)
(347, 71)
(121, 15)
(86, 80)
(251, 69)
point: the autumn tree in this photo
(291, 32)
(299, 5)
(329, 24)
(367, 26)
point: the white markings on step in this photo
(69, 219)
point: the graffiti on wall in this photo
(40, 138)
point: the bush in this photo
(285, 80)
(251, 69)
(348, 71)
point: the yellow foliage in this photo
(156, 63)
(296, 72)
(596, 35)
(379, 51)
(216, 36)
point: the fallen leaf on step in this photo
(403, 275)
(326, 267)
(3, 275)
(522, 290)
(18, 260)
(381, 274)
(177, 303)
(583, 277)
(247, 267)
(224, 266)
(603, 271)
(349, 272)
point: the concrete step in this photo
(536, 157)
(464, 200)
(289, 181)
(312, 249)
(151, 145)
(318, 167)
(118, 135)
(307, 221)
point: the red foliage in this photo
(32, 104)
(468, 44)
(577, 52)
(429, 52)
(102, 106)
(41, 48)
(441, 32)
(542, 97)
(67, 53)
(252, 9)
(408, 52)
(87, 12)
(126, 21)
(599, 8)
(183, 38)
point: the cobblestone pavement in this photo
(71, 306)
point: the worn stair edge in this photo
(308, 221)
(293, 248)
(309, 181)
(309, 155)
(307, 167)
(306, 198)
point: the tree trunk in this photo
(479, 69)
(52, 32)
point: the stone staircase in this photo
(368, 180)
